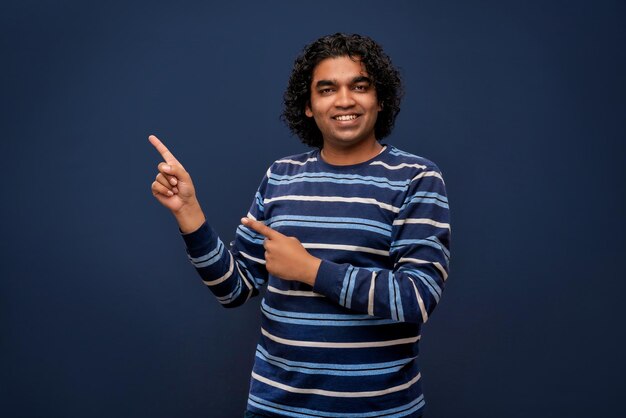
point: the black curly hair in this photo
(385, 76)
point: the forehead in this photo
(339, 69)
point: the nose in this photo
(344, 98)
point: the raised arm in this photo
(232, 275)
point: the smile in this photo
(345, 117)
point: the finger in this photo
(261, 228)
(172, 170)
(162, 179)
(162, 149)
(158, 188)
(164, 168)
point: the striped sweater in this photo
(347, 347)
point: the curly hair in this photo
(385, 76)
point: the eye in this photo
(326, 91)
(360, 87)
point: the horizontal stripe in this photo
(319, 319)
(333, 369)
(437, 265)
(334, 393)
(289, 161)
(224, 277)
(304, 293)
(325, 344)
(322, 246)
(329, 219)
(399, 166)
(430, 241)
(292, 411)
(210, 258)
(427, 174)
(337, 199)
(424, 221)
(249, 257)
(344, 179)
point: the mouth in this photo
(345, 118)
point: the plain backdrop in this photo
(522, 104)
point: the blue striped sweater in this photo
(347, 347)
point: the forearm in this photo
(189, 217)
(224, 273)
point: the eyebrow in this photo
(359, 79)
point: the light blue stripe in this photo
(325, 323)
(332, 369)
(429, 242)
(292, 411)
(329, 219)
(231, 296)
(209, 255)
(331, 226)
(247, 236)
(351, 285)
(398, 300)
(424, 279)
(433, 283)
(317, 319)
(425, 200)
(341, 177)
(392, 299)
(344, 286)
(259, 201)
(369, 183)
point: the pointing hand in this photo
(285, 257)
(174, 189)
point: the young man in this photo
(352, 240)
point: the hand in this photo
(285, 257)
(174, 189)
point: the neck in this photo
(350, 155)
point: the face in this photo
(343, 102)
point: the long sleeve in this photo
(232, 272)
(420, 254)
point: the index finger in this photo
(261, 228)
(162, 149)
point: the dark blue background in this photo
(521, 104)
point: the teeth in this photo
(346, 117)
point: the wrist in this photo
(190, 217)
(310, 272)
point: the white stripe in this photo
(337, 393)
(420, 302)
(294, 292)
(325, 344)
(251, 216)
(421, 221)
(224, 277)
(344, 247)
(370, 301)
(249, 257)
(364, 200)
(439, 267)
(287, 160)
(427, 174)
(399, 166)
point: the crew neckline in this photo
(320, 159)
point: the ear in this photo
(380, 106)
(307, 110)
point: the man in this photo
(352, 240)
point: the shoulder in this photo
(406, 163)
(292, 163)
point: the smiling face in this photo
(343, 102)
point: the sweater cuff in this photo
(329, 279)
(200, 240)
